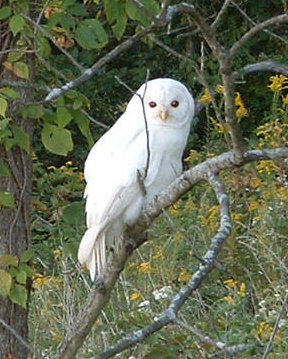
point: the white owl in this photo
(115, 165)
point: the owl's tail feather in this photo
(92, 251)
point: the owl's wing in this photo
(111, 171)
(111, 175)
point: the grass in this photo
(238, 305)
(245, 303)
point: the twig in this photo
(98, 65)
(51, 38)
(102, 289)
(223, 347)
(16, 335)
(170, 315)
(276, 20)
(248, 18)
(140, 176)
(276, 327)
(222, 11)
(24, 84)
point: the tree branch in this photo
(101, 291)
(263, 66)
(51, 38)
(276, 20)
(16, 335)
(97, 66)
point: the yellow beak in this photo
(164, 115)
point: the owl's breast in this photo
(166, 149)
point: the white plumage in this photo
(114, 195)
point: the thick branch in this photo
(103, 287)
(207, 264)
(263, 66)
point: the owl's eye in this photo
(152, 104)
(175, 103)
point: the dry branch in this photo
(100, 294)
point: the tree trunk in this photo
(15, 222)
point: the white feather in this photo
(113, 195)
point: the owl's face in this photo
(167, 103)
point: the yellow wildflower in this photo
(184, 276)
(51, 168)
(255, 182)
(236, 216)
(174, 209)
(242, 290)
(267, 166)
(278, 83)
(57, 253)
(178, 236)
(159, 253)
(241, 112)
(221, 128)
(135, 296)
(230, 283)
(145, 267)
(220, 89)
(285, 100)
(206, 98)
(264, 330)
(253, 205)
(283, 193)
(229, 299)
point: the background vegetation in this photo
(245, 300)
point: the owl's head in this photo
(167, 102)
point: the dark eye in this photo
(152, 104)
(175, 103)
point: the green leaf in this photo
(44, 47)
(3, 106)
(116, 15)
(10, 93)
(8, 260)
(18, 295)
(21, 277)
(5, 282)
(83, 124)
(20, 138)
(63, 116)
(73, 213)
(16, 24)
(33, 111)
(5, 12)
(27, 255)
(21, 70)
(57, 139)
(4, 129)
(120, 26)
(4, 170)
(67, 22)
(90, 34)
(26, 268)
(136, 14)
(7, 199)
(14, 56)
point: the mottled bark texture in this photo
(15, 222)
